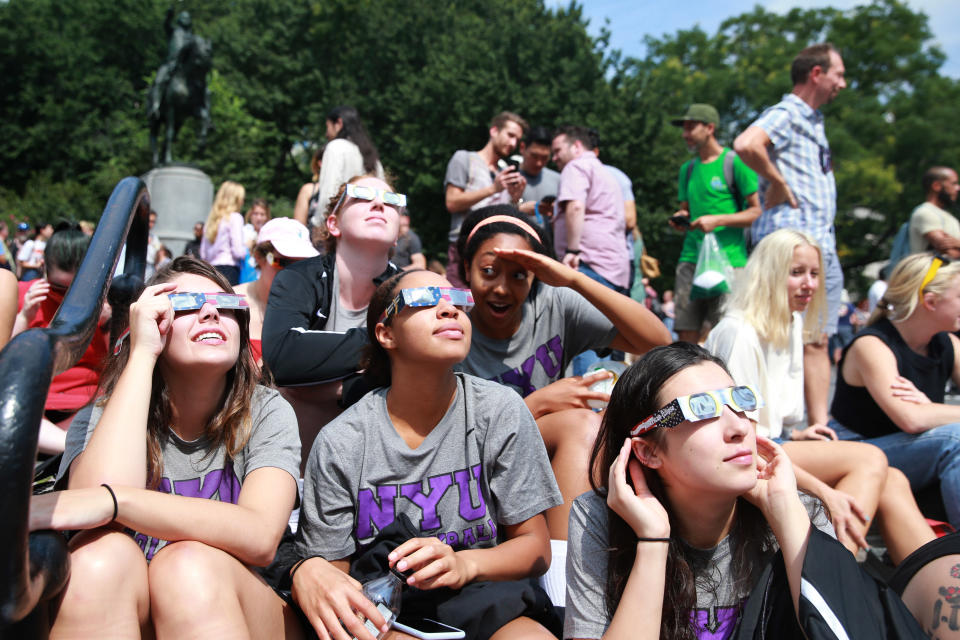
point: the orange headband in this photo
(517, 222)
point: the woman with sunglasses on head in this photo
(776, 305)
(279, 243)
(181, 477)
(222, 243)
(891, 378)
(689, 507)
(314, 328)
(465, 456)
(532, 316)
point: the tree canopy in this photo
(427, 77)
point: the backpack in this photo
(900, 249)
(728, 177)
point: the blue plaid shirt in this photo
(801, 152)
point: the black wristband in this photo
(293, 569)
(667, 540)
(574, 252)
(116, 506)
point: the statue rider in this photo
(179, 38)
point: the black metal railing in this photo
(35, 567)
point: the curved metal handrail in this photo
(35, 567)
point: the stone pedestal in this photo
(181, 196)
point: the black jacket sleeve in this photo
(296, 348)
(838, 600)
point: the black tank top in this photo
(855, 409)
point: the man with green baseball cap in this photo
(717, 193)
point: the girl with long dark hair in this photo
(180, 479)
(689, 508)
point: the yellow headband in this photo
(931, 274)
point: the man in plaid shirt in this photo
(788, 148)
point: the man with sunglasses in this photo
(38, 303)
(476, 179)
(787, 146)
(932, 226)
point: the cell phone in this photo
(428, 629)
(513, 162)
(680, 221)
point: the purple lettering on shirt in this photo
(453, 539)
(467, 509)
(521, 377)
(164, 486)
(482, 534)
(468, 538)
(427, 503)
(370, 512)
(715, 623)
(551, 366)
(193, 488)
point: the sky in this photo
(631, 20)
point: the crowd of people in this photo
(455, 422)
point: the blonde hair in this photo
(900, 299)
(229, 198)
(760, 292)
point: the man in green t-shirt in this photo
(716, 195)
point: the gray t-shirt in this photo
(190, 469)
(407, 245)
(719, 598)
(341, 318)
(546, 183)
(469, 171)
(484, 465)
(558, 323)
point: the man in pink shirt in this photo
(589, 227)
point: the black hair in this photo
(65, 248)
(634, 397)
(538, 135)
(468, 249)
(354, 131)
(375, 360)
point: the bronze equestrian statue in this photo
(180, 88)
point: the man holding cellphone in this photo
(717, 193)
(481, 178)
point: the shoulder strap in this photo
(730, 179)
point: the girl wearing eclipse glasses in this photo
(181, 477)
(466, 454)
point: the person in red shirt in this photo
(38, 302)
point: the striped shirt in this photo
(801, 152)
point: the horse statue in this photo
(180, 88)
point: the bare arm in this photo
(417, 261)
(751, 146)
(249, 530)
(871, 364)
(8, 305)
(302, 206)
(525, 553)
(943, 242)
(630, 214)
(458, 200)
(638, 329)
(739, 219)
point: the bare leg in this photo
(198, 591)
(901, 523)
(107, 594)
(936, 612)
(569, 436)
(855, 468)
(521, 629)
(816, 380)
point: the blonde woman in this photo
(222, 244)
(775, 307)
(891, 379)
